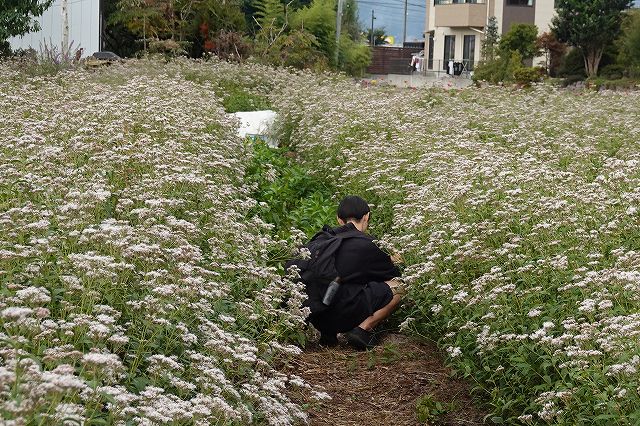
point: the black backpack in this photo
(319, 269)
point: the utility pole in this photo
(338, 27)
(404, 32)
(65, 27)
(372, 18)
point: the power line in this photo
(386, 4)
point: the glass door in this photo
(449, 50)
(468, 51)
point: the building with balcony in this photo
(455, 28)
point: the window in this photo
(519, 2)
(449, 49)
(469, 51)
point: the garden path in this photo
(383, 386)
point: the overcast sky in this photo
(389, 14)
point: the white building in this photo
(84, 18)
(455, 28)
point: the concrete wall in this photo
(84, 27)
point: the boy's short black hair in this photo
(352, 207)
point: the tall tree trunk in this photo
(592, 57)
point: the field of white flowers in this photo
(518, 216)
(135, 285)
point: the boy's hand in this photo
(397, 258)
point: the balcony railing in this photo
(437, 2)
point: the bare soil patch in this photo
(382, 386)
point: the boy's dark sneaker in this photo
(328, 339)
(361, 339)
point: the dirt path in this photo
(383, 386)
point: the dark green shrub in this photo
(572, 64)
(5, 49)
(572, 79)
(542, 72)
(612, 72)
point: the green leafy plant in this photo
(17, 16)
(520, 38)
(287, 193)
(430, 411)
(526, 75)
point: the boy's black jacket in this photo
(346, 253)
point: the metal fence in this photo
(460, 2)
(456, 67)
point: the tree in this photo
(350, 24)
(269, 13)
(629, 42)
(521, 38)
(490, 41)
(379, 36)
(202, 22)
(144, 18)
(552, 49)
(319, 18)
(589, 25)
(16, 16)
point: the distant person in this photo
(367, 293)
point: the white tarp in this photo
(84, 27)
(256, 124)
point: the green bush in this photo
(613, 84)
(612, 72)
(520, 38)
(298, 49)
(431, 411)
(629, 42)
(241, 100)
(526, 75)
(287, 193)
(5, 49)
(500, 70)
(318, 18)
(354, 57)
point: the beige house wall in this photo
(544, 14)
(498, 7)
(431, 15)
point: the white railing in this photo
(438, 2)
